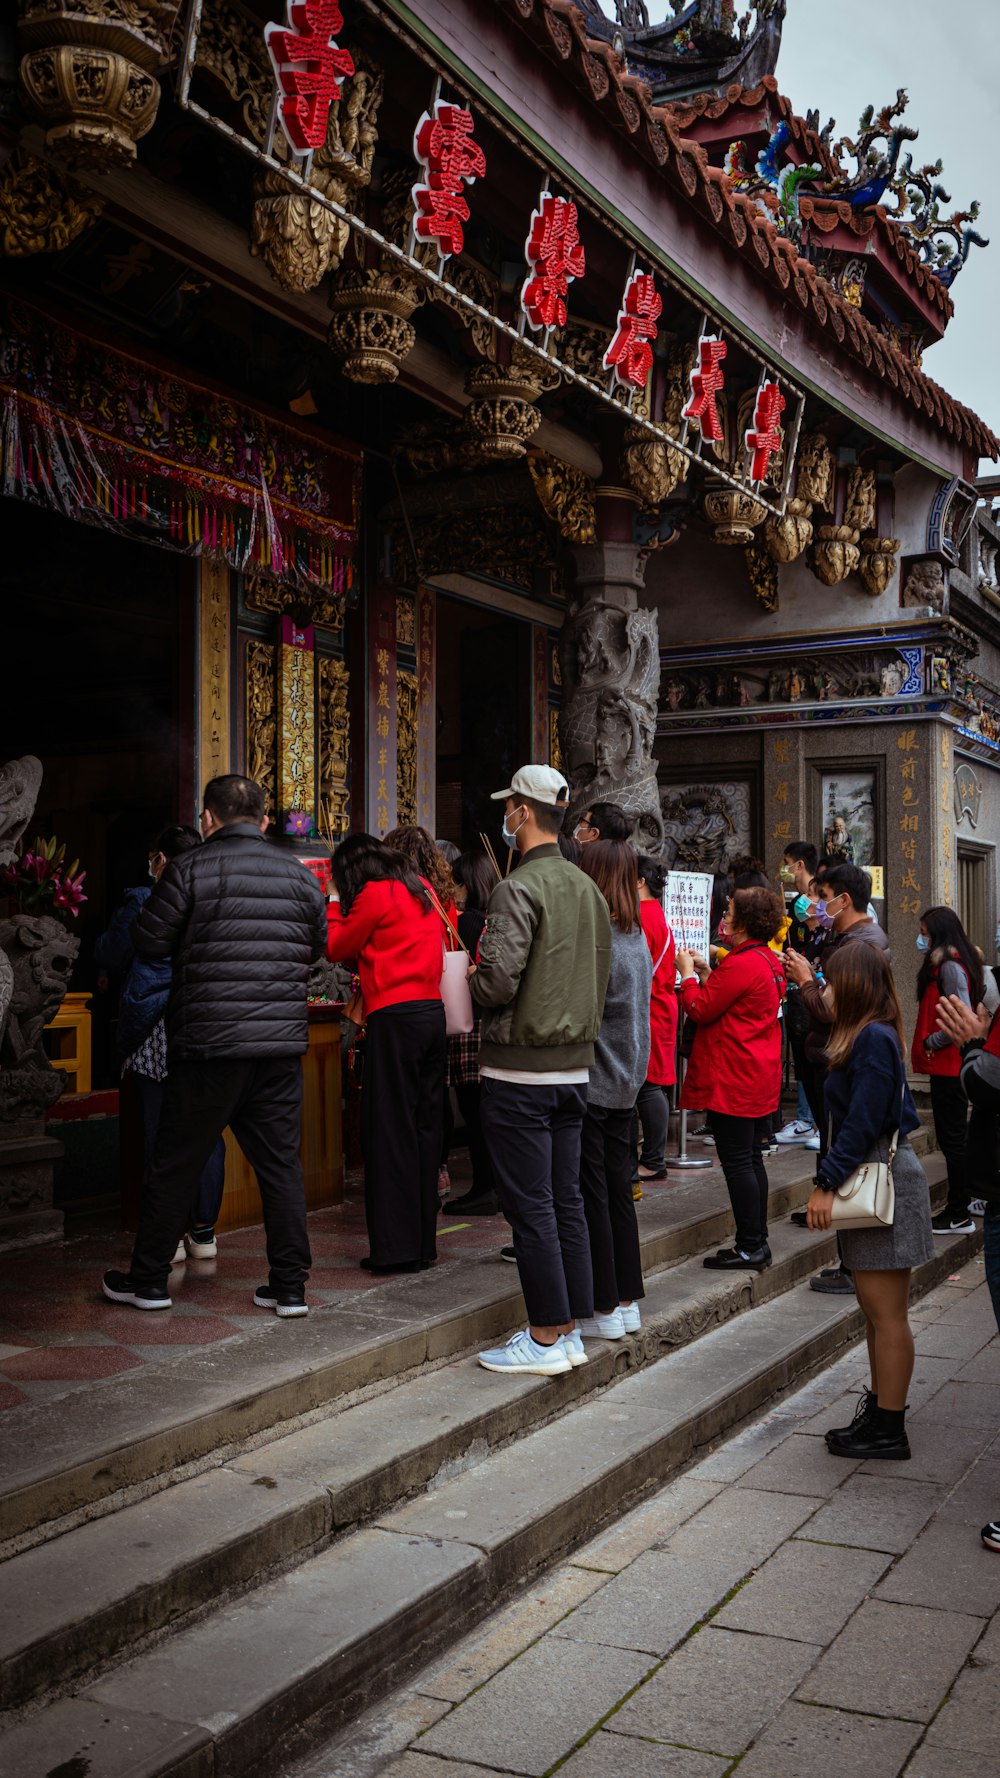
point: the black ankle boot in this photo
(883, 1434)
(862, 1414)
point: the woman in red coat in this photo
(381, 915)
(652, 1104)
(735, 1066)
(951, 966)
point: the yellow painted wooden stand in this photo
(322, 1149)
(69, 1045)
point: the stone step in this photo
(309, 1648)
(111, 1443)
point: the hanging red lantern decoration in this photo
(450, 156)
(630, 354)
(555, 254)
(307, 68)
(707, 383)
(763, 438)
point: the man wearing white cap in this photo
(541, 979)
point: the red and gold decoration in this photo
(707, 384)
(296, 727)
(630, 354)
(450, 157)
(382, 702)
(308, 68)
(556, 257)
(763, 438)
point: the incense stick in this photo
(492, 856)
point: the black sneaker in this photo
(862, 1414)
(945, 1223)
(120, 1287)
(800, 1219)
(739, 1259)
(990, 1535)
(473, 1204)
(286, 1300)
(833, 1283)
(508, 1253)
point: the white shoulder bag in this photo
(867, 1200)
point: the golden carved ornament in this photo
(406, 621)
(816, 471)
(878, 563)
(734, 516)
(501, 416)
(789, 537)
(139, 30)
(371, 331)
(262, 721)
(95, 105)
(231, 50)
(40, 211)
(300, 240)
(763, 572)
(261, 592)
(566, 496)
(334, 681)
(835, 554)
(655, 470)
(407, 705)
(555, 751)
(859, 505)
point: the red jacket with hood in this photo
(735, 1064)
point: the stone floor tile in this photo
(601, 1757)
(805, 1742)
(948, 1570)
(800, 1465)
(987, 1650)
(807, 1591)
(839, 1412)
(55, 1364)
(940, 1451)
(509, 1633)
(752, 1522)
(971, 1305)
(970, 1721)
(876, 1512)
(738, 1454)
(654, 1603)
(943, 1762)
(893, 1660)
(976, 1498)
(74, 1738)
(648, 1524)
(717, 1692)
(363, 1746)
(965, 1404)
(984, 1367)
(943, 1339)
(424, 1765)
(539, 1707)
(11, 1397)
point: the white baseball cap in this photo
(541, 783)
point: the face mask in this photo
(723, 933)
(154, 873)
(923, 942)
(996, 939)
(510, 839)
(824, 915)
(802, 907)
(786, 874)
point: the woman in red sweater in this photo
(382, 916)
(735, 1066)
(416, 844)
(951, 966)
(652, 1104)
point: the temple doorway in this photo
(483, 715)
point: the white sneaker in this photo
(181, 1255)
(603, 1327)
(631, 1320)
(523, 1354)
(812, 1142)
(201, 1249)
(573, 1343)
(977, 1207)
(796, 1131)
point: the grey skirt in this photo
(910, 1240)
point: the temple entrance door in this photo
(483, 715)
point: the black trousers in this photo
(260, 1098)
(207, 1204)
(469, 1096)
(738, 1142)
(534, 1139)
(653, 1109)
(950, 1111)
(606, 1183)
(402, 1112)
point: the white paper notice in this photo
(687, 903)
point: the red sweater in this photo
(735, 1064)
(398, 945)
(662, 1069)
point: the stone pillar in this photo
(610, 658)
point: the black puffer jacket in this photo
(242, 921)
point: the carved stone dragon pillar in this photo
(610, 660)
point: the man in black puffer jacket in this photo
(242, 922)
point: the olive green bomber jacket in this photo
(543, 965)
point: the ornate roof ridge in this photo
(657, 132)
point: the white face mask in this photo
(510, 839)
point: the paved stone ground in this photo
(774, 1609)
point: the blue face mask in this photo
(802, 907)
(510, 839)
(923, 942)
(996, 940)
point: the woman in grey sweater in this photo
(621, 1056)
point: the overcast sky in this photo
(838, 56)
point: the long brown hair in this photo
(416, 844)
(864, 993)
(613, 866)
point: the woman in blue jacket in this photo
(142, 1042)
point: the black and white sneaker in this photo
(120, 1287)
(947, 1224)
(990, 1535)
(287, 1300)
(508, 1254)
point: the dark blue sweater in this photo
(863, 1104)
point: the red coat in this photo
(662, 1069)
(735, 1064)
(398, 945)
(948, 1059)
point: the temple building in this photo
(392, 394)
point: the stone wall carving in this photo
(925, 585)
(40, 211)
(333, 685)
(878, 563)
(262, 721)
(860, 501)
(705, 825)
(762, 570)
(407, 699)
(816, 471)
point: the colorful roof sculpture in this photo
(705, 46)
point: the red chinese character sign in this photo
(554, 252)
(707, 383)
(630, 354)
(763, 438)
(307, 67)
(450, 157)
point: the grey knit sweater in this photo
(621, 1053)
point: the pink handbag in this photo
(455, 992)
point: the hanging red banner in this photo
(763, 438)
(555, 254)
(450, 156)
(307, 64)
(630, 354)
(707, 383)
